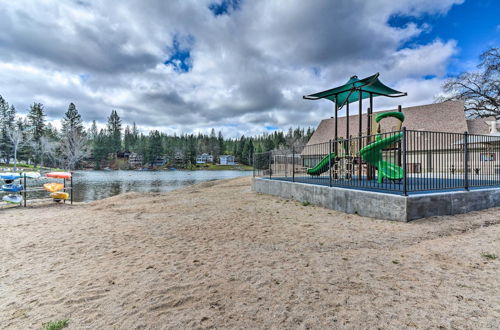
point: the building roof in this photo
(479, 125)
(438, 117)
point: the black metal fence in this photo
(400, 162)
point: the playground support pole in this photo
(293, 164)
(370, 169)
(466, 161)
(336, 121)
(347, 120)
(405, 183)
(360, 133)
(399, 143)
(330, 164)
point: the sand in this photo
(217, 255)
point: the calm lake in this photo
(94, 185)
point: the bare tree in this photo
(73, 148)
(15, 135)
(44, 147)
(480, 90)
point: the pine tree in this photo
(154, 148)
(93, 131)
(72, 120)
(128, 139)
(220, 140)
(115, 131)
(36, 120)
(73, 144)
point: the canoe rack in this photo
(67, 183)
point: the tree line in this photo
(32, 139)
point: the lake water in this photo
(94, 185)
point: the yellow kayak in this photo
(53, 187)
(60, 195)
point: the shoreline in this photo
(215, 254)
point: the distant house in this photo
(227, 160)
(134, 159)
(204, 158)
(179, 157)
(123, 154)
(159, 161)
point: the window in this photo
(487, 157)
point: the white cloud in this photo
(249, 69)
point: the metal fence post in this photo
(270, 159)
(330, 162)
(24, 190)
(293, 164)
(253, 166)
(405, 170)
(466, 161)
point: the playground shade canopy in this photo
(349, 92)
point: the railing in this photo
(402, 162)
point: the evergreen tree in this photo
(220, 141)
(100, 147)
(154, 147)
(115, 131)
(36, 120)
(72, 120)
(128, 139)
(7, 122)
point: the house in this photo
(227, 160)
(428, 151)
(135, 159)
(179, 157)
(159, 161)
(204, 158)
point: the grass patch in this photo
(306, 203)
(490, 256)
(56, 325)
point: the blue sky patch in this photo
(180, 58)
(271, 128)
(473, 24)
(224, 7)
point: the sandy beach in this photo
(217, 255)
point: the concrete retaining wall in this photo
(380, 205)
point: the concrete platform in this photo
(382, 205)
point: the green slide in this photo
(372, 154)
(323, 165)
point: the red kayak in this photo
(59, 175)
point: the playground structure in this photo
(59, 189)
(392, 160)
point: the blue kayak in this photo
(10, 176)
(12, 187)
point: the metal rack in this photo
(26, 190)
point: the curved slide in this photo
(323, 166)
(372, 154)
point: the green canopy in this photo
(349, 92)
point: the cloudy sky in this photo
(240, 66)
